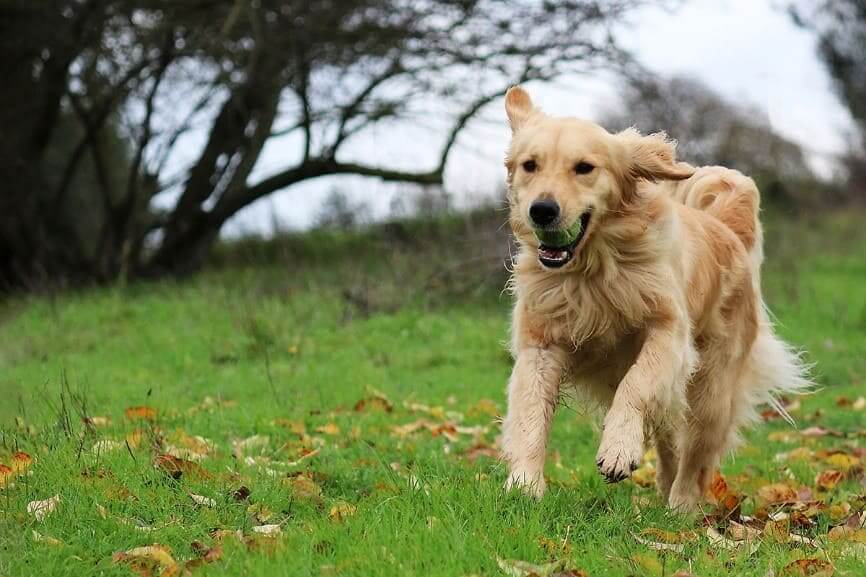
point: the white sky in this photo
(747, 50)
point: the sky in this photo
(749, 51)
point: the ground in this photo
(336, 414)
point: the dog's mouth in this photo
(556, 248)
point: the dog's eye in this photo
(583, 168)
(530, 166)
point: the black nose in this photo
(543, 212)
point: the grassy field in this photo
(334, 413)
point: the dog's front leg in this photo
(651, 390)
(533, 392)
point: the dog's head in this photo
(565, 175)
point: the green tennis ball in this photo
(560, 237)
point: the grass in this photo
(265, 350)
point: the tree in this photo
(841, 29)
(713, 131)
(316, 71)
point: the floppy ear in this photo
(518, 107)
(653, 157)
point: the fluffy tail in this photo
(774, 368)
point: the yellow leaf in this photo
(303, 487)
(329, 429)
(842, 461)
(484, 407)
(140, 413)
(144, 560)
(808, 568)
(776, 493)
(341, 511)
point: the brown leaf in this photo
(242, 493)
(776, 493)
(147, 560)
(140, 413)
(374, 403)
(205, 555)
(808, 568)
(304, 487)
(479, 450)
(297, 427)
(97, 421)
(827, 480)
(176, 468)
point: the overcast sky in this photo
(747, 50)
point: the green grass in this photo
(303, 342)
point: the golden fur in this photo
(658, 316)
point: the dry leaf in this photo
(176, 468)
(827, 480)
(41, 509)
(859, 404)
(144, 560)
(808, 568)
(341, 511)
(202, 500)
(720, 541)
(255, 444)
(260, 513)
(329, 429)
(645, 475)
(776, 493)
(97, 421)
(297, 427)
(39, 538)
(660, 545)
(474, 452)
(515, 568)
(267, 529)
(374, 403)
(484, 407)
(303, 487)
(141, 413)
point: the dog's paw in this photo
(532, 484)
(621, 449)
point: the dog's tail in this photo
(773, 369)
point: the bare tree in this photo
(317, 71)
(713, 131)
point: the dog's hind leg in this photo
(713, 396)
(666, 446)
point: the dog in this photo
(637, 282)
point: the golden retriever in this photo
(637, 280)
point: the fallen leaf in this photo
(202, 500)
(97, 421)
(267, 529)
(649, 565)
(474, 452)
(260, 513)
(341, 511)
(721, 542)
(859, 404)
(41, 509)
(255, 444)
(304, 487)
(39, 538)
(660, 545)
(645, 475)
(141, 413)
(144, 560)
(329, 429)
(176, 468)
(846, 533)
(827, 480)
(808, 568)
(515, 568)
(484, 407)
(297, 427)
(842, 461)
(374, 403)
(776, 493)
(205, 555)
(242, 493)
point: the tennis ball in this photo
(560, 237)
